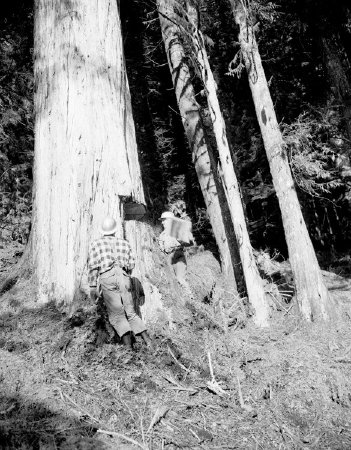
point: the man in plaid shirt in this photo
(111, 260)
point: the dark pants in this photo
(178, 262)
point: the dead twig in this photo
(122, 436)
(65, 381)
(182, 388)
(288, 310)
(194, 434)
(170, 426)
(247, 408)
(9, 409)
(194, 405)
(175, 359)
(177, 385)
(277, 301)
(292, 436)
(160, 413)
(213, 384)
(79, 408)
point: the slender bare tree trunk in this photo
(253, 280)
(338, 79)
(312, 294)
(85, 151)
(190, 112)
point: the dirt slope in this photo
(65, 385)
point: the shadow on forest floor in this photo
(285, 387)
(26, 423)
(31, 413)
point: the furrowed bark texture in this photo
(190, 112)
(312, 294)
(254, 284)
(85, 149)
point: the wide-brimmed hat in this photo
(166, 215)
(108, 226)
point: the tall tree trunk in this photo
(190, 112)
(254, 284)
(85, 150)
(312, 294)
(338, 78)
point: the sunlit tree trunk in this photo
(190, 112)
(312, 294)
(254, 284)
(85, 150)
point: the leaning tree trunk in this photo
(254, 284)
(190, 112)
(312, 294)
(86, 158)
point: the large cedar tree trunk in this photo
(194, 129)
(254, 284)
(85, 149)
(312, 294)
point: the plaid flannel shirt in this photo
(104, 253)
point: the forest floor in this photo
(214, 380)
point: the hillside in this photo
(214, 381)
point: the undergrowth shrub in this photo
(318, 155)
(314, 145)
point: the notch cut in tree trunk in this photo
(85, 149)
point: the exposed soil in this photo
(65, 385)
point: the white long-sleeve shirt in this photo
(168, 243)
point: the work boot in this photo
(127, 340)
(146, 338)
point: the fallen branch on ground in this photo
(122, 436)
(161, 411)
(175, 359)
(213, 384)
(177, 385)
(79, 408)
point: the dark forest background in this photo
(306, 51)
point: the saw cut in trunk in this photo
(86, 158)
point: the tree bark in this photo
(312, 295)
(254, 284)
(86, 158)
(194, 129)
(340, 84)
